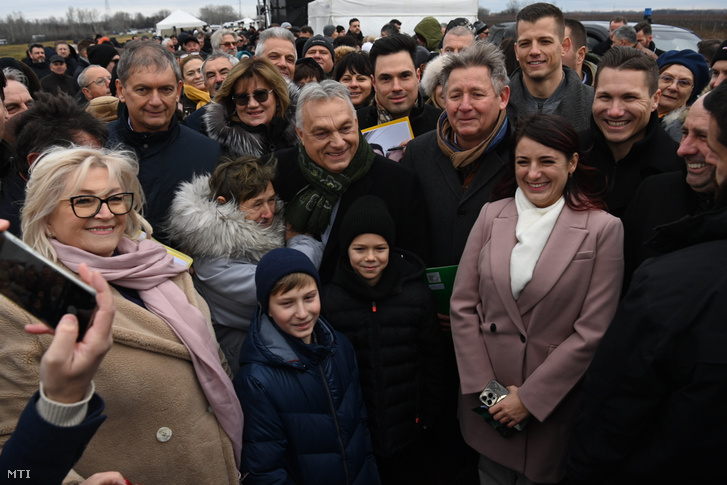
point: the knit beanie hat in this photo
(693, 61)
(328, 30)
(319, 40)
(367, 215)
(720, 54)
(101, 54)
(275, 265)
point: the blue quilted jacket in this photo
(305, 419)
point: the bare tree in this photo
(217, 14)
(512, 7)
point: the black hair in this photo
(391, 45)
(557, 133)
(53, 120)
(716, 103)
(578, 36)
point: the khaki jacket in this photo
(159, 428)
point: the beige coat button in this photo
(164, 434)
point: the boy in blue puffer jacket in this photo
(305, 420)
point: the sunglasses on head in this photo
(260, 95)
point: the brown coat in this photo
(148, 382)
(544, 341)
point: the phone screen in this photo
(42, 288)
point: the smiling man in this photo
(629, 143)
(667, 197)
(396, 80)
(333, 166)
(543, 84)
(149, 84)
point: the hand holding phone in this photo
(41, 287)
(68, 366)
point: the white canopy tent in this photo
(373, 14)
(180, 20)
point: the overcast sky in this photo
(39, 9)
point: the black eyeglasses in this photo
(260, 95)
(87, 206)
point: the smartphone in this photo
(41, 287)
(491, 395)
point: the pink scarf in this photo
(147, 268)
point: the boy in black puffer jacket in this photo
(378, 298)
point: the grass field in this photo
(18, 51)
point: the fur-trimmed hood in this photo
(238, 139)
(201, 227)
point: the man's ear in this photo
(581, 55)
(120, 91)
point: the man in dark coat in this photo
(36, 60)
(543, 84)
(333, 167)
(628, 142)
(168, 152)
(658, 383)
(458, 165)
(602, 47)
(58, 80)
(397, 87)
(667, 197)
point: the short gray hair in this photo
(166, 42)
(218, 55)
(216, 38)
(144, 55)
(460, 31)
(274, 33)
(83, 79)
(12, 74)
(323, 91)
(627, 33)
(479, 55)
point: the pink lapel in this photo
(503, 240)
(563, 243)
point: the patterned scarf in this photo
(462, 158)
(311, 209)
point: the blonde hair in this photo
(56, 169)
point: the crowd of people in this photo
(264, 313)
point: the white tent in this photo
(373, 14)
(180, 20)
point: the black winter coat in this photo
(654, 154)
(661, 199)
(397, 186)
(166, 159)
(394, 329)
(656, 390)
(305, 419)
(423, 118)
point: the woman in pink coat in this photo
(537, 286)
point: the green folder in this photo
(441, 282)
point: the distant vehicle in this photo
(666, 37)
(3, 41)
(215, 27)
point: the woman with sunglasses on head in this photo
(173, 416)
(254, 110)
